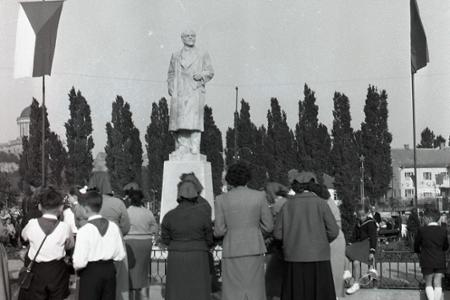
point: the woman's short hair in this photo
(238, 174)
(136, 198)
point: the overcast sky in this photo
(267, 48)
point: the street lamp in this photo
(361, 159)
(236, 117)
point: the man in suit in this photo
(242, 218)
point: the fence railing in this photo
(396, 269)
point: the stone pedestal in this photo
(173, 168)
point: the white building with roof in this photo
(433, 167)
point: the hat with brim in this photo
(187, 190)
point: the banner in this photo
(37, 26)
(419, 48)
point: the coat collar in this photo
(187, 60)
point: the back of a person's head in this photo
(238, 174)
(432, 214)
(49, 198)
(136, 197)
(93, 200)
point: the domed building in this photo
(23, 122)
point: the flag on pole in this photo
(37, 26)
(419, 48)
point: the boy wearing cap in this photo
(99, 244)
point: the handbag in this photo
(25, 274)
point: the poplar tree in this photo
(123, 148)
(280, 143)
(212, 147)
(345, 162)
(312, 138)
(159, 144)
(30, 167)
(376, 145)
(79, 140)
(57, 159)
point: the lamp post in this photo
(236, 117)
(361, 158)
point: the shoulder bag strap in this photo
(30, 265)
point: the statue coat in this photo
(187, 95)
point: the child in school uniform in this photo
(99, 244)
(431, 243)
(50, 275)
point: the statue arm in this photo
(208, 71)
(171, 75)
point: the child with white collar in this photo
(431, 243)
(99, 244)
(49, 239)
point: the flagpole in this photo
(44, 183)
(414, 138)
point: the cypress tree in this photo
(159, 144)
(79, 140)
(123, 148)
(345, 162)
(376, 145)
(212, 147)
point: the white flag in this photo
(37, 26)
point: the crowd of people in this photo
(282, 243)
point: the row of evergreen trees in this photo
(271, 149)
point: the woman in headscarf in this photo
(306, 226)
(187, 232)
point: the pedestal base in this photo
(173, 169)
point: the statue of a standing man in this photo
(189, 71)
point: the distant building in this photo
(433, 168)
(23, 122)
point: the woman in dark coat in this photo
(187, 232)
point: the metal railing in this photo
(396, 269)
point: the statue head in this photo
(188, 37)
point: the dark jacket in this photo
(413, 223)
(306, 227)
(366, 229)
(431, 243)
(187, 228)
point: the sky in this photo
(267, 48)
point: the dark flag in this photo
(419, 48)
